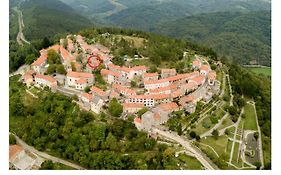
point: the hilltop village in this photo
(162, 93)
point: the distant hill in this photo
(143, 17)
(50, 17)
(243, 36)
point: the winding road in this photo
(20, 36)
(207, 163)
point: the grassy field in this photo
(250, 118)
(261, 70)
(236, 156)
(229, 145)
(189, 163)
(219, 144)
(58, 166)
(225, 123)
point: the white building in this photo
(44, 80)
(97, 104)
(40, 64)
(79, 80)
(110, 76)
(165, 73)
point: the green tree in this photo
(73, 66)
(12, 139)
(258, 165)
(179, 129)
(142, 111)
(87, 89)
(192, 134)
(53, 57)
(47, 165)
(256, 135)
(30, 58)
(111, 142)
(60, 69)
(214, 119)
(46, 43)
(215, 133)
(65, 43)
(115, 108)
(232, 110)
(133, 84)
(51, 69)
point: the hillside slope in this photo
(50, 17)
(243, 36)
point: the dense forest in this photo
(243, 37)
(53, 123)
(258, 88)
(49, 17)
(61, 128)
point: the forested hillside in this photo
(244, 37)
(49, 17)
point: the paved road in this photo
(186, 144)
(20, 36)
(46, 156)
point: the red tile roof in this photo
(187, 99)
(196, 63)
(55, 48)
(157, 116)
(147, 75)
(40, 60)
(199, 80)
(137, 120)
(177, 93)
(113, 94)
(66, 56)
(81, 81)
(120, 88)
(139, 68)
(14, 150)
(169, 106)
(147, 82)
(87, 96)
(151, 96)
(109, 72)
(205, 68)
(98, 91)
(132, 105)
(70, 45)
(168, 71)
(45, 77)
(212, 75)
(162, 89)
(79, 75)
(27, 76)
(189, 85)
